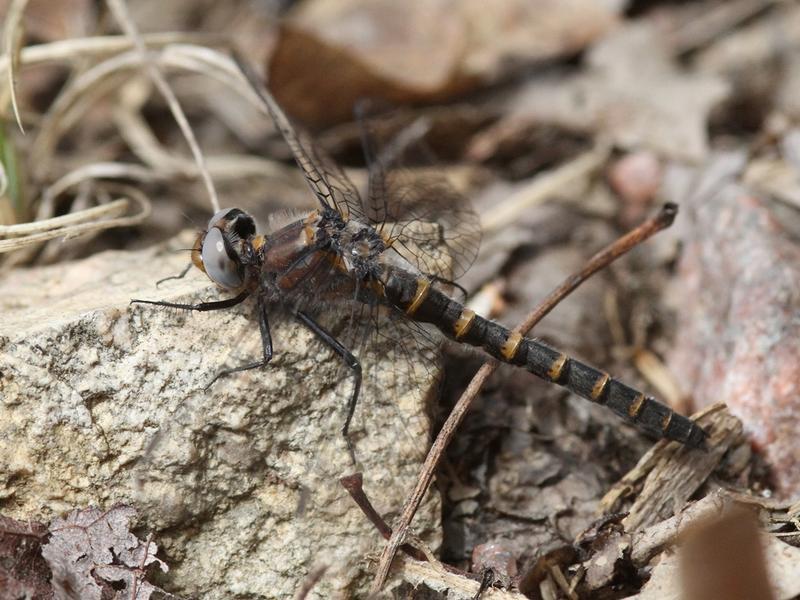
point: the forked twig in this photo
(354, 486)
(596, 263)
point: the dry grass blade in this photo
(145, 145)
(73, 225)
(3, 180)
(12, 41)
(544, 186)
(211, 63)
(598, 262)
(65, 110)
(83, 91)
(715, 21)
(110, 170)
(120, 12)
(115, 208)
(80, 48)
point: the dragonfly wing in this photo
(423, 215)
(326, 179)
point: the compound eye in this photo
(218, 216)
(220, 267)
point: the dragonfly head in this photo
(220, 249)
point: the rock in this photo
(102, 402)
(635, 178)
(738, 303)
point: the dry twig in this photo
(669, 474)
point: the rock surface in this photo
(738, 297)
(102, 402)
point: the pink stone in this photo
(636, 178)
(738, 331)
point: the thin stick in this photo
(354, 484)
(599, 261)
(120, 11)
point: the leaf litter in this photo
(674, 84)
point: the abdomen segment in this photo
(423, 302)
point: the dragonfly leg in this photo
(351, 361)
(202, 306)
(446, 281)
(266, 348)
(181, 275)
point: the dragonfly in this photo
(383, 253)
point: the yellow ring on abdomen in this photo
(557, 367)
(463, 323)
(509, 348)
(423, 287)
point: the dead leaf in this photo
(633, 92)
(92, 543)
(420, 50)
(23, 573)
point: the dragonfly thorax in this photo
(360, 248)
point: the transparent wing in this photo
(400, 358)
(428, 222)
(326, 179)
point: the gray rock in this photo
(101, 402)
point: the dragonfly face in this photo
(224, 249)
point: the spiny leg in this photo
(351, 361)
(266, 347)
(202, 306)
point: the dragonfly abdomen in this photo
(421, 301)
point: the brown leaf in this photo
(23, 573)
(633, 92)
(419, 50)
